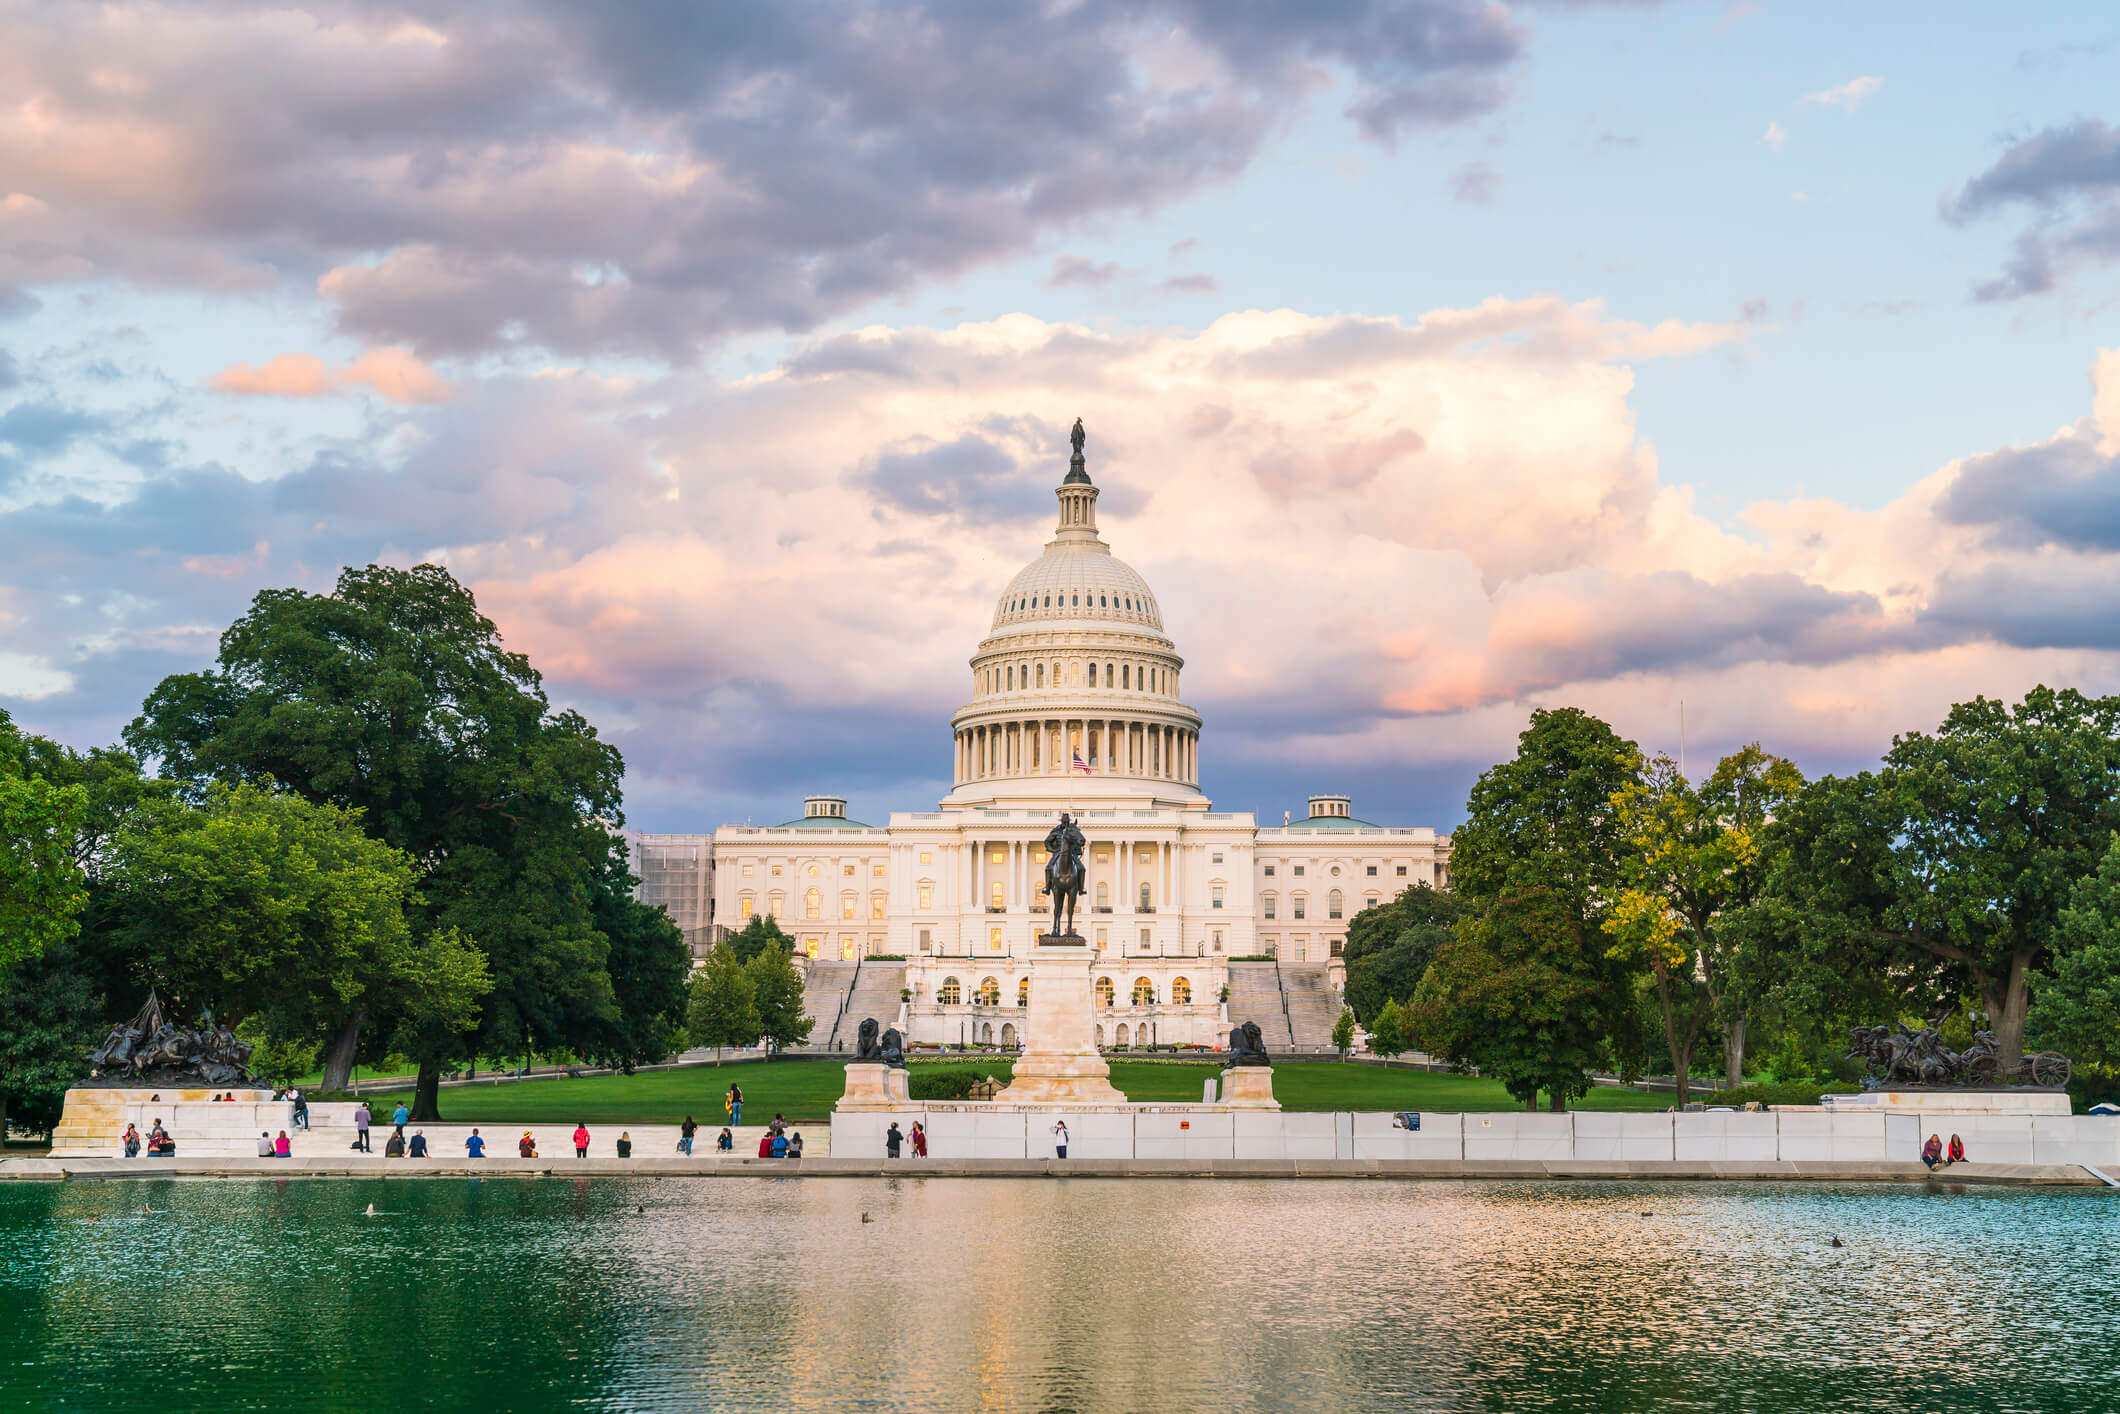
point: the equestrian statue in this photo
(1064, 870)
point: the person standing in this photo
(399, 1115)
(581, 1141)
(360, 1127)
(919, 1141)
(301, 1109)
(735, 1103)
(1059, 1138)
(685, 1132)
(892, 1140)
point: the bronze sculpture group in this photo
(1064, 871)
(1904, 1056)
(149, 1050)
(888, 1046)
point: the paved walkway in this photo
(350, 1165)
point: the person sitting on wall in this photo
(264, 1143)
(132, 1141)
(394, 1146)
(281, 1149)
(1957, 1151)
(780, 1145)
(416, 1147)
(765, 1145)
(1932, 1152)
(726, 1143)
(795, 1144)
(625, 1145)
(526, 1146)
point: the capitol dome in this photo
(1075, 687)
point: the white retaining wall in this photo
(1785, 1135)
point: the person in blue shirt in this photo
(400, 1115)
(780, 1146)
(418, 1148)
(475, 1147)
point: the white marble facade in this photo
(1074, 706)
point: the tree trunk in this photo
(1557, 1101)
(338, 1060)
(1681, 1047)
(427, 1093)
(2006, 1010)
(1531, 1103)
(1734, 1054)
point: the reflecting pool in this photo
(793, 1294)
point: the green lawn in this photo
(805, 1090)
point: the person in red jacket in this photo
(581, 1141)
(765, 1145)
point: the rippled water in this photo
(1057, 1295)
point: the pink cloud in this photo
(395, 375)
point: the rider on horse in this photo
(1063, 868)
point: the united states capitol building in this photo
(1195, 915)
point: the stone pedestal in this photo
(1060, 1064)
(1248, 1087)
(1998, 1102)
(872, 1085)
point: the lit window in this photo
(926, 857)
(776, 871)
(810, 946)
(1104, 991)
(1180, 991)
(927, 894)
(999, 899)
(989, 992)
(846, 947)
(1144, 992)
(875, 907)
(846, 907)
(743, 907)
(876, 871)
(747, 870)
(847, 870)
(993, 939)
(1023, 992)
(996, 857)
(813, 871)
(951, 992)
(810, 904)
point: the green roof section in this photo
(1332, 822)
(822, 822)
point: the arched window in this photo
(1104, 991)
(811, 902)
(1104, 896)
(1122, 1036)
(811, 871)
(1144, 992)
(1093, 675)
(1023, 992)
(1146, 906)
(1108, 679)
(1180, 991)
(999, 895)
(1332, 904)
(1012, 677)
(951, 993)
(1041, 675)
(989, 992)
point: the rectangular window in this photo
(1144, 940)
(875, 908)
(1334, 945)
(1218, 856)
(1269, 943)
(1372, 871)
(876, 871)
(846, 907)
(1268, 901)
(1402, 871)
(993, 939)
(927, 895)
(1215, 896)
(847, 869)
(743, 909)
(927, 858)
(1269, 871)
(927, 939)
(996, 857)
(1299, 871)
(776, 871)
(1218, 940)
(1103, 939)
(1299, 906)
(747, 868)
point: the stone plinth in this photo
(2003, 1102)
(1060, 1064)
(872, 1085)
(95, 1115)
(1248, 1087)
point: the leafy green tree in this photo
(648, 963)
(1387, 1034)
(776, 996)
(1389, 947)
(1519, 993)
(1545, 818)
(1947, 871)
(756, 936)
(720, 1009)
(50, 1015)
(1343, 1031)
(2077, 1009)
(393, 695)
(257, 904)
(41, 887)
(1698, 862)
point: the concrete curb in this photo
(1591, 1170)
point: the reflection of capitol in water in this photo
(1075, 705)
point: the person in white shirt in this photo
(1060, 1139)
(265, 1144)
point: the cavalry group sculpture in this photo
(149, 1050)
(1904, 1056)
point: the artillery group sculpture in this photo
(1905, 1057)
(150, 1051)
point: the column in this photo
(1123, 873)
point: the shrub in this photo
(942, 1082)
(1794, 1092)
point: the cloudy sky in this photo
(1441, 359)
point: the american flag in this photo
(1080, 765)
